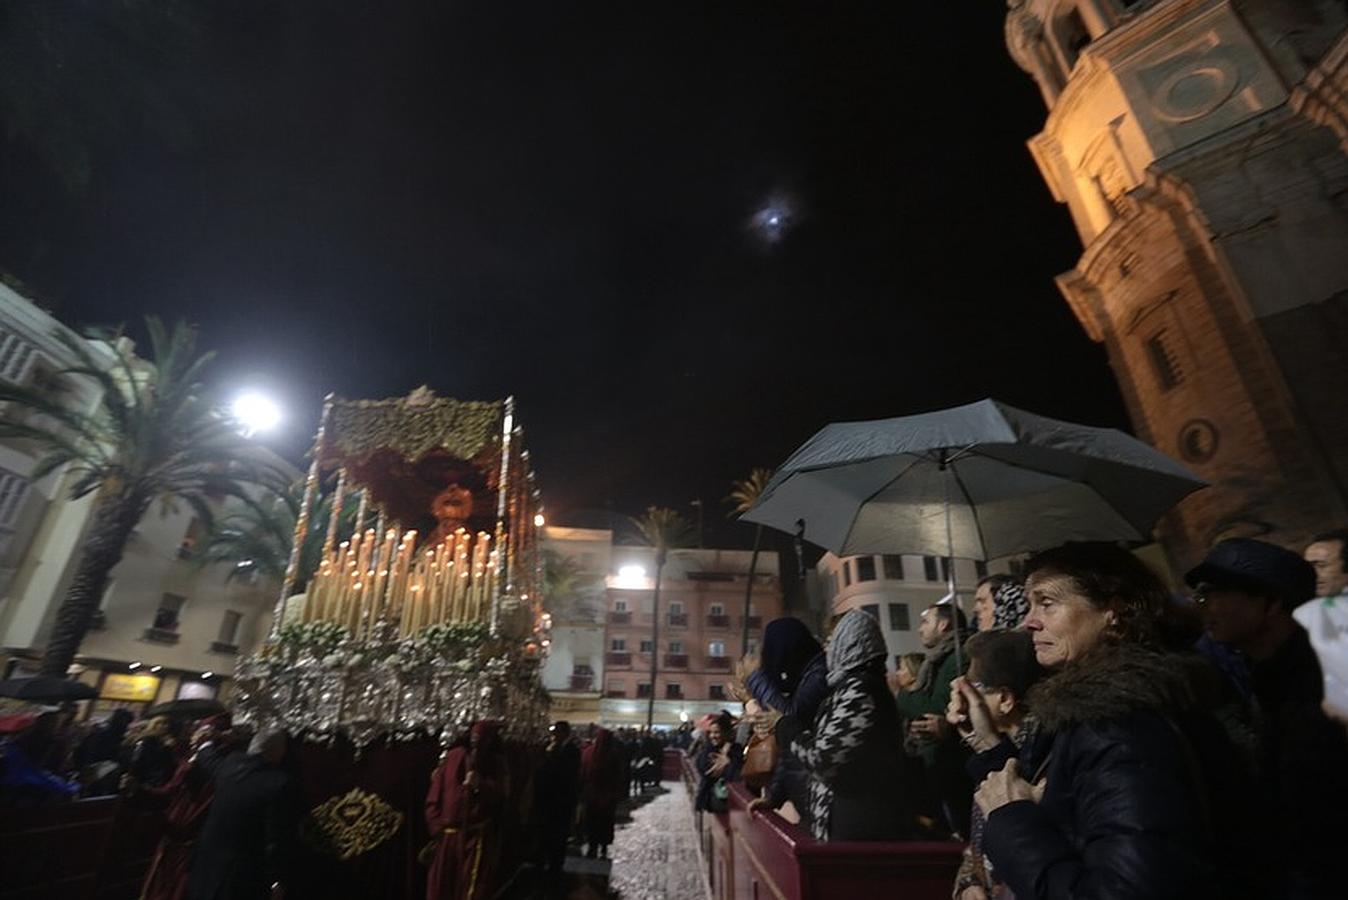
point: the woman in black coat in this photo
(792, 679)
(1131, 788)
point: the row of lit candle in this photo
(365, 580)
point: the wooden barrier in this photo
(94, 849)
(761, 856)
(671, 766)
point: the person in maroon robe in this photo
(190, 791)
(603, 784)
(463, 808)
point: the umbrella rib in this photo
(1086, 483)
(871, 496)
(973, 509)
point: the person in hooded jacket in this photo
(602, 775)
(791, 678)
(853, 747)
(1130, 788)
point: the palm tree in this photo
(744, 493)
(663, 529)
(255, 542)
(151, 436)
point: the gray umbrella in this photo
(980, 481)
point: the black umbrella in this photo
(46, 689)
(187, 709)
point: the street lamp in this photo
(255, 413)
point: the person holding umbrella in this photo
(25, 739)
(1131, 788)
(923, 707)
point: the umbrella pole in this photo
(950, 567)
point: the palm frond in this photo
(663, 529)
(745, 492)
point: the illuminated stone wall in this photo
(1199, 146)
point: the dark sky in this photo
(553, 200)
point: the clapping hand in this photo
(929, 727)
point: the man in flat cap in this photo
(1247, 590)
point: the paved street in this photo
(655, 855)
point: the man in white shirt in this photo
(1328, 555)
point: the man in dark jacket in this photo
(923, 709)
(245, 847)
(1247, 590)
(556, 794)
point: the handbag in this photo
(719, 801)
(760, 759)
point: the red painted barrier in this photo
(671, 767)
(78, 851)
(761, 856)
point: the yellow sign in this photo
(136, 688)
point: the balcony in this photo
(160, 635)
(617, 695)
(223, 647)
(676, 660)
(620, 618)
(718, 663)
(754, 622)
(618, 658)
(582, 682)
(678, 620)
(718, 621)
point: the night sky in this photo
(557, 201)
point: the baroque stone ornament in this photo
(354, 823)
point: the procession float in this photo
(417, 615)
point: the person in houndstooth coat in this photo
(854, 747)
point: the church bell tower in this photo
(1201, 148)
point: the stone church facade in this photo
(1201, 147)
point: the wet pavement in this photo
(655, 854)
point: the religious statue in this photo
(452, 508)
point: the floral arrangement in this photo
(318, 638)
(452, 640)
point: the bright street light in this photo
(255, 412)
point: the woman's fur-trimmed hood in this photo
(1116, 681)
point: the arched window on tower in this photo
(1070, 35)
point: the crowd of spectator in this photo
(1091, 735)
